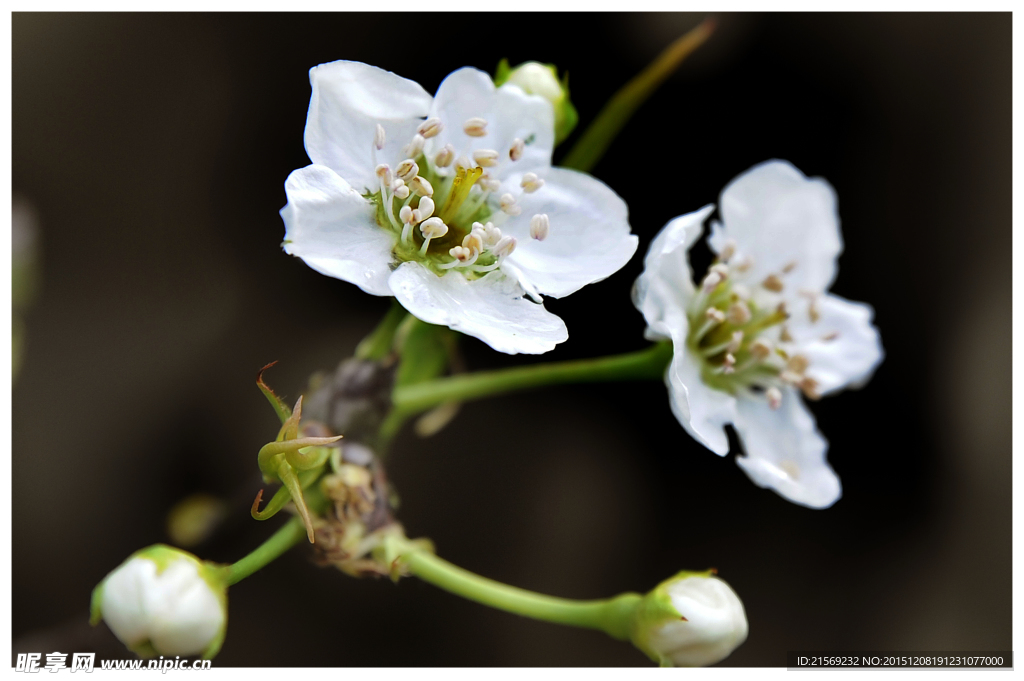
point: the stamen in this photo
(492, 235)
(736, 342)
(789, 267)
(379, 137)
(486, 158)
(508, 205)
(739, 314)
(407, 169)
(785, 336)
(743, 263)
(773, 283)
(531, 183)
(424, 209)
(489, 183)
(774, 396)
(714, 318)
(711, 282)
(430, 127)
(798, 364)
(722, 269)
(445, 156)
(384, 173)
(475, 127)
(515, 152)
(540, 225)
(421, 186)
(415, 148)
(474, 242)
(407, 215)
(431, 228)
(504, 247)
(728, 250)
(760, 349)
(729, 364)
(810, 388)
(401, 190)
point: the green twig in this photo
(591, 146)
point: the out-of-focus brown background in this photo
(154, 148)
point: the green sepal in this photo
(96, 604)
(502, 73)
(566, 116)
(424, 352)
(282, 410)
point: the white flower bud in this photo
(164, 601)
(708, 621)
(539, 79)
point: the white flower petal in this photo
(510, 114)
(664, 290)
(842, 345)
(349, 100)
(702, 411)
(333, 229)
(777, 216)
(123, 598)
(185, 614)
(785, 451)
(491, 308)
(589, 238)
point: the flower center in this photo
(442, 206)
(727, 334)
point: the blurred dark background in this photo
(154, 148)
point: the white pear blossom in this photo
(711, 622)
(431, 199)
(760, 327)
(163, 601)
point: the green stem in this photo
(378, 344)
(290, 534)
(591, 146)
(649, 363)
(611, 615)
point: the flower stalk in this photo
(647, 364)
(591, 146)
(290, 534)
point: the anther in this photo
(785, 336)
(728, 250)
(414, 148)
(406, 215)
(515, 152)
(743, 263)
(736, 342)
(715, 315)
(760, 349)
(739, 313)
(492, 234)
(430, 127)
(424, 209)
(540, 226)
(774, 396)
(421, 186)
(379, 137)
(475, 127)
(445, 156)
(402, 191)
(773, 283)
(531, 183)
(798, 364)
(460, 254)
(485, 158)
(433, 228)
(828, 338)
(489, 183)
(789, 267)
(729, 363)
(712, 280)
(722, 269)
(384, 173)
(810, 388)
(473, 242)
(508, 205)
(407, 169)
(504, 247)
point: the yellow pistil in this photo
(464, 181)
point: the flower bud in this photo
(535, 78)
(164, 601)
(691, 620)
